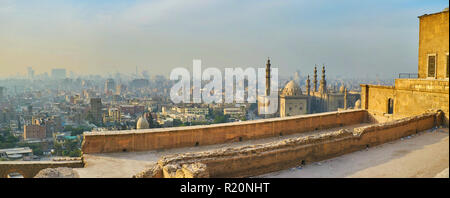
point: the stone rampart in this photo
(166, 138)
(259, 159)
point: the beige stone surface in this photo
(62, 172)
(153, 171)
(128, 164)
(179, 137)
(443, 174)
(423, 155)
(433, 39)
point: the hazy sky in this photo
(352, 37)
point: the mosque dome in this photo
(292, 89)
(142, 123)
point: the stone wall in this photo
(259, 159)
(152, 139)
(29, 169)
(411, 97)
(433, 39)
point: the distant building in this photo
(235, 112)
(139, 83)
(110, 87)
(132, 109)
(58, 73)
(292, 100)
(113, 116)
(195, 110)
(2, 94)
(30, 73)
(96, 109)
(34, 132)
(15, 153)
(120, 89)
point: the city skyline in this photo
(108, 37)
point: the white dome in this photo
(142, 123)
(292, 89)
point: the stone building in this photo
(34, 132)
(292, 100)
(325, 99)
(113, 116)
(430, 91)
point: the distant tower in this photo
(268, 77)
(315, 79)
(323, 82)
(345, 98)
(308, 86)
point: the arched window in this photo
(390, 107)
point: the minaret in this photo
(315, 79)
(268, 77)
(345, 98)
(308, 86)
(323, 82)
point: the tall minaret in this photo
(268, 77)
(345, 98)
(308, 86)
(315, 79)
(323, 82)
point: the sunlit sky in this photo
(352, 37)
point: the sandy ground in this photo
(423, 155)
(125, 165)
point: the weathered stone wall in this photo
(29, 169)
(264, 158)
(411, 97)
(152, 139)
(433, 39)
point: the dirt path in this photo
(422, 155)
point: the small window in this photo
(390, 106)
(432, 66)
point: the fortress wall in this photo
(152, 139)
(265, 158)
(411, 97)
(29, 169)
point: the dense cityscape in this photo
(44, 116)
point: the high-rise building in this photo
(110, 87)
(2, 90)
(58, 73)
(96, 109)
(30, 73)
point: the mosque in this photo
(293, 101)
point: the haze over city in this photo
(359, 38)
